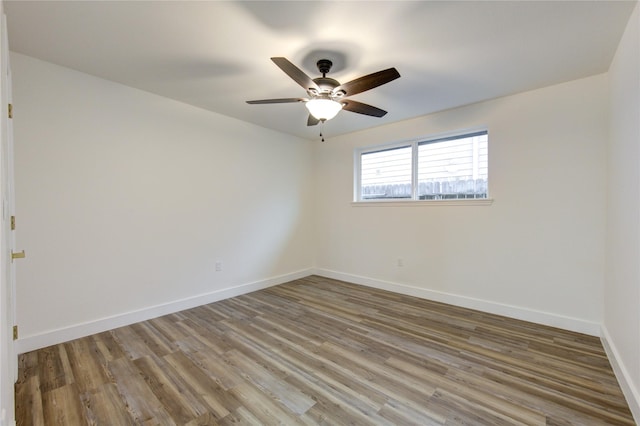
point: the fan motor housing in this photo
(326, 84)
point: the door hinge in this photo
(13, 223)
(15, 332)
(10, 110)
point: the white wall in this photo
(622, 282)
(536, 253)
(125, 200)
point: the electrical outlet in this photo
(400, 262)
(218, 265)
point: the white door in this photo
(8, 359)
(10, 196)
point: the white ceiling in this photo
(215, 54)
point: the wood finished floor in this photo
(320, 351)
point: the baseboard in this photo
(33, 342)
(631, 393)
(4, 421)
(53, 337)
(538, 317)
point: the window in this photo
(452, 167)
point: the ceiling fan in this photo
(326, 95)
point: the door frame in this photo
(8, 357)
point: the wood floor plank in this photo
(168, 327)
(54, 369)
(153, 339)
(401, 414)
(379, 377)
(170, 390)
(61, 407)
(269, 383)
(219, 402)
(143, 406)
(462, 411)
(317, 351)
(29, 409)
(206, 419)
(207, 337)
(104, 406)
(28, 366)
(335, 377)
(263, 407)
(87, 371)
(107, 347)
(131, 342)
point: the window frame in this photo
(414, 143)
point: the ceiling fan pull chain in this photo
(321, 128)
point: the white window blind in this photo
(387, 173)
(451, 167)
(455, 167)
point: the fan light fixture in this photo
(323, 108)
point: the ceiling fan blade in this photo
(312, 121)
(360, 108)
(278, 101)
(296, 74)
(367, 82)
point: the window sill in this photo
(423, 203)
